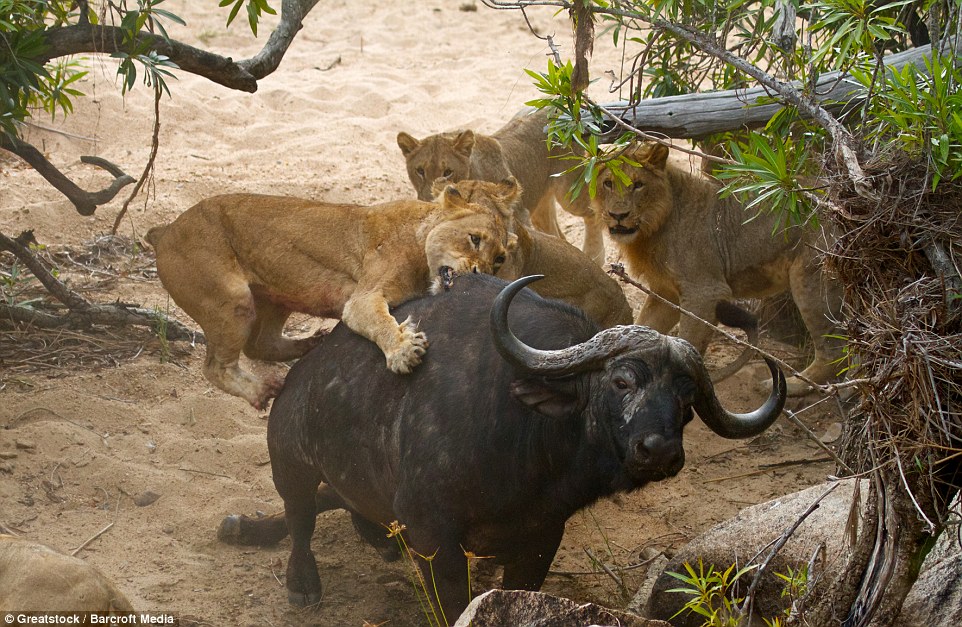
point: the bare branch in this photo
(85, 202)
(82, 312)
(84, 37)
(269, 58)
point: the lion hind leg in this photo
(267, 341)
(226, 337)
(819, 303)
(367, 314)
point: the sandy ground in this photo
(100, 429)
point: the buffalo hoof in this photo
(229, 531)
(241, 530)
(303, 599)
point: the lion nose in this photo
(618, 216)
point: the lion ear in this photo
(657, 156)
(510, 189)
(406, 143)
(451, 197)
(464, 143)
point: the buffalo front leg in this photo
(529, 568)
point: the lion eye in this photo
(499, 259)
(420, 172)
(476, 240)
(638, 185)
(448, 172)
(607, 184)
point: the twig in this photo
(801, 425)
(767, 467)
(619, 271)
(605, 567)
(204, 472)
(750, 595)
(92, 538)
(149, 168)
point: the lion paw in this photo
(413, 345)
(271, 387)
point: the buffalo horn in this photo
(556, 363)
(720, 420)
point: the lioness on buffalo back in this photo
(240, 264)
(567, 413)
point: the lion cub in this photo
(241, 264)
(520, 149)
(696, 249)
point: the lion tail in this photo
(153, 235)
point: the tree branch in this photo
(82, 312)
(85, 202)
(84, 37)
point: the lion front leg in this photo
(403, 345)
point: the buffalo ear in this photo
(548, 398)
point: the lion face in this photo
(473, 239)
(442, 157)
(635, 208)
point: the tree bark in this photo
(695, 116)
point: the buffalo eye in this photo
(623, 380)
(476, 240)
(420, 172)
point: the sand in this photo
(86, 439)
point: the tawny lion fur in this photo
(519, 148)
(241, 264)
(569, 274)
(696, 249)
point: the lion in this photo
(240, 264)
(520, 149)
(696, 249)
(569, 274)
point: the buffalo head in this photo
(632, 384)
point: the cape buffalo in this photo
(491, 445)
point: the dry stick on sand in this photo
(91, 539)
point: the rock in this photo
(35, 578)
(936, 598)
(8, 455)
(145, 499)
(519, 608)
(747, 537)
(25, 445)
